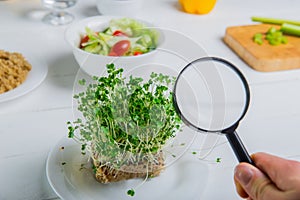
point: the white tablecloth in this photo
(32, 124)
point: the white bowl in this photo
(95, 64)
(119, 7)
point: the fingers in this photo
(272, 177)
(254, 184)
(284, 173)
(240, 189)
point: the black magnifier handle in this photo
(238, 147)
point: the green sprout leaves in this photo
(131, 192)
(125, 118)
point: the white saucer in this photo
(184, 179)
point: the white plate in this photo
(35, 77)
(185, 179)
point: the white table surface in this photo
(31, 125)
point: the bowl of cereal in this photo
(98, 41)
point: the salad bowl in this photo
(103, 33)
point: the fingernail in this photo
(243, 174)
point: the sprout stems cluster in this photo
(125, 121)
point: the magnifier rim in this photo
(232, 67)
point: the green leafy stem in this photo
(125, 120)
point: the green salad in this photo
(123, 37)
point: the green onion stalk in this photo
(290, 27)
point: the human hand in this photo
(272, 178)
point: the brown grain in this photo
(14, 69)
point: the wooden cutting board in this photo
(263, 57)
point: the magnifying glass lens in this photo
(210, 95)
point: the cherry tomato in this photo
(119, 33)
(83, 40)
(112, 54)
(136, 53)
(120, 48)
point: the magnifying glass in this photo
(211, 95)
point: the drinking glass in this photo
(58, 16)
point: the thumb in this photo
(255, 184)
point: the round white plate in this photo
(35, 77)
(184, 179)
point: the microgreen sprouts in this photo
(125, 121)
(131, 192)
